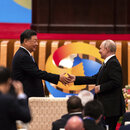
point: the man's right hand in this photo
(72, 78)
(18, 86)
(67, 79)
(63, 79)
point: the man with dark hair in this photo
(74, 104)
(74, 107)
(25, 69)
(12, 109)
(93, 112)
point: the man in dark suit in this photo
(74, 107)
(126, 118)
(108, 80)
(125, 127)
(11, 109)
(93, 112)
(25, 69)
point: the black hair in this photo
(4, 74)
(74, 103)
(27, 34)
(93, 109)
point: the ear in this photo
(25, 40)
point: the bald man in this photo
(108, 84)
(74, 123)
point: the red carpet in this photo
(13, 31)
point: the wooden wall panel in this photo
(3, 53)
(16, 46)
(54, 46)
(81, 16)
(42, 55)
(40, 15)
(119, 51)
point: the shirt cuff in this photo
(22, 96)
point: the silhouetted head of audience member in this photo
(85, 96)
(94, 109)
(5, 80)
(74, 123)
(74, 104)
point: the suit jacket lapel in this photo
(102, 69)
(100, 74)
(28, 55)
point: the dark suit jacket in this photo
(126, 127)
(56, 125)
(91, 125)
(126, 117)
(27, 71)
(110, 80)
(11, 110)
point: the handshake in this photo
(67, 79)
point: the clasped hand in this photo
(67, 79)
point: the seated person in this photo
(74, 107)
(126, 118)
(125, 127)
(85, 96)
(125, 122)
(93, 112)
(12, 109)
(74, 123)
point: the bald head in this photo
(74, 123)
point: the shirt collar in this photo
(26, 50)
(89, 118)
(75, 113)
(105, 61)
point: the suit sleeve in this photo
(53, 126)
(19, 110)
(80, 80)
(114, 75)
(31, 68)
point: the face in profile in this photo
(103, 51)
(32, 43)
